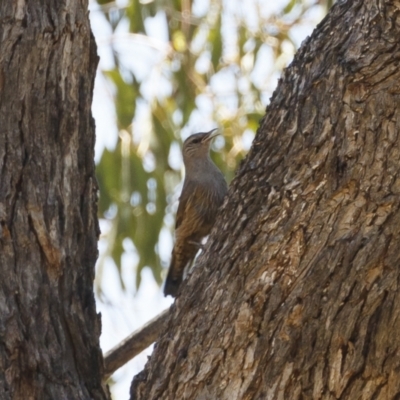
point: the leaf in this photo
(289, 6)
(116, 255)
(125, 98)
(107, 173)
(185, 95)
(253, 121)
(179, 41)
(163, 135)
(242, 39)
(134, 13)
(215, 40)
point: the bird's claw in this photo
(197, 244)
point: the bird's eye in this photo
(198, 140)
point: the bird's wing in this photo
(194, 200)
(185, 199)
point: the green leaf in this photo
(116, 255)
(107, 172)
(125, 98)
(215, 40)
(289, 6)
(134, 13)
(242, 39)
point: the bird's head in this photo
(198, 145)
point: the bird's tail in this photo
(175, 275)
(172, 285)
(181, 259)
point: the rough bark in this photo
(49, 328)
(296, 295)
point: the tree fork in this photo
(296, 295)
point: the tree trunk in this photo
(296, 296)
(49, 330)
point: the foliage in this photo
(191, 66)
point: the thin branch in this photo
(134, 344)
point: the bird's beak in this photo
(210, 135)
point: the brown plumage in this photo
(202, 194)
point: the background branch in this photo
(134, 344)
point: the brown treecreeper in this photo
(203, 192)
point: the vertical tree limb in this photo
(49, 330)
(296, 295)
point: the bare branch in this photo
(134, 344)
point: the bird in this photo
(203, 192)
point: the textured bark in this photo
(49, 328)
(296, 296)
